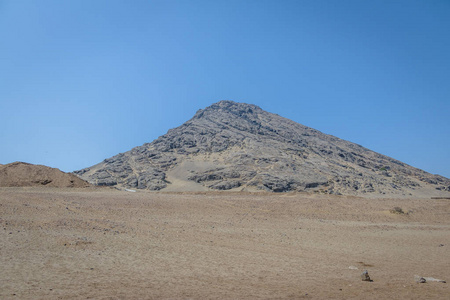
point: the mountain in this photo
(24, 174)
(237, 146)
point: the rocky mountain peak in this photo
(238, 146)
(226, 111)
(232, 107)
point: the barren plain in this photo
(101, 243)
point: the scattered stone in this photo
(419, 279)
(365, 276)
(434, 279)
(353, 268)
(441, 245)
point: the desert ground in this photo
(101, 243)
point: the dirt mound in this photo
(24, 174)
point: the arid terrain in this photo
(240, 147)
(102, 243)
(21, 174)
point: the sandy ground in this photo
(109, 244)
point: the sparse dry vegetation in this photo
(397, 210)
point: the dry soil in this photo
(109, 244)
(20, 174)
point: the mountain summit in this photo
(237, 146)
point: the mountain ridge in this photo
(238, 146)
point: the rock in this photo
(205, 177)
(419, 279)
(151, 179)
(226, 185)
(365, 276)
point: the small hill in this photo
(238, 146)
(19, 174)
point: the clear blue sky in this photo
(81, 81)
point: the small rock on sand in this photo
(365, 276)
(419, 279)
(427, 279)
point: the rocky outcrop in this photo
(231, 145)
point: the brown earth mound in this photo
(24, 174)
